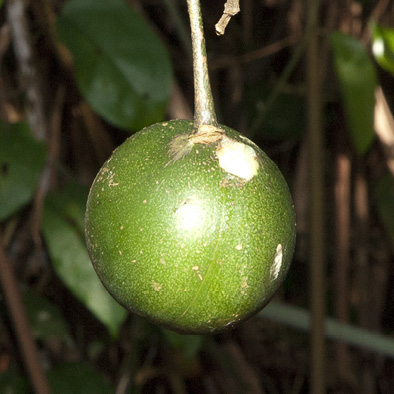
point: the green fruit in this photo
(194, 233)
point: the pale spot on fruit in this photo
(156, 286)
(238, 247)
(197, 270)
(190, 215)
(237, 158)
(275, 268)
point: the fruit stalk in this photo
(204, 111)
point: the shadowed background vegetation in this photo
(311, 82)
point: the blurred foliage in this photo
(13, 382)
(22, 159)
(63, 229)
(78, 378)
(190, 345)
(383, 46)
(121, 67)
(46, 319)
(357, 77)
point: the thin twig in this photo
(300, 319)
(342, 249)
(317, 227)
(259, 53)
(181, 29)
(283, 78)
(231, 8)
(47, 174)
(28, 71)
(21, 324)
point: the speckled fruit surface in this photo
(194, 235)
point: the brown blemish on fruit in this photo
(207, 134)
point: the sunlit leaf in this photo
(78, 378)
(357, 78)
(122, 69)
(66, 244)
(22, 159)
(383, 46)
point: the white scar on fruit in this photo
(237, 158)
(275, 268)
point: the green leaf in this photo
(70, 204)
(384, 197)
(285, 120)
(22, 159)
(357, 78)
(45, 318)
(62, 222)
(383, 46)
(78, 378)
(189, 344)
(122, 69)
(12, 382)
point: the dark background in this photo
(297, 77)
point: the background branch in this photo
(21, 324)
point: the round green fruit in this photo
(193, 231)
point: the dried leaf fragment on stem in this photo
(231, 8)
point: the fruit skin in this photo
(178, 239)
